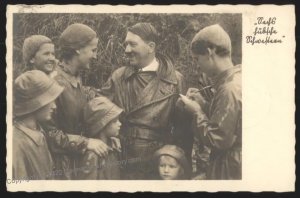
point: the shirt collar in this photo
(153, 66)
(165, 71)
(36, 136)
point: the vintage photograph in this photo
(143, 94)
(127, 96)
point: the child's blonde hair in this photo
(178, 154)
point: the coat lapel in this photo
(160, 88)
(157, 90)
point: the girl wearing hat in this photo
(34, 95)
(171, 163)
(101, 118)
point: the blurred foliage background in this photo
(176, 32)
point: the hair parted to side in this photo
(200, 47)
(146, 31)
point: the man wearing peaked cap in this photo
(34, 95)
(67, 139)
(218, 125)
(147, 90)
(38, 53)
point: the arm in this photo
(60, 142)
(218, 132)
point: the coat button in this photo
(72, 144)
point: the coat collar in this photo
(165, 72)
(36, 136)
(75, 81)
(219, 79)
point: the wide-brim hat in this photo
(33, 90)
(98, 113)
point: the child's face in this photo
(44, 58)
(169, 168)
(113, 128)
(45, 113)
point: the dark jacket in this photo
(150, 118)
(66, 131)
(153, 109)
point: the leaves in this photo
(176, 32)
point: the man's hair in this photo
(199, 47)
(145, 30)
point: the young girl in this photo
(101, 118)
(34, 95)
(172, 163)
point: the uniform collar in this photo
(36, 136)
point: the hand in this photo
(194, 94)
(116, 144)
(97, 146)
(179, 104)
(190, 105)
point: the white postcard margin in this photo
(268, 72)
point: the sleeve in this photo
(108, 89)
(218, 132)
(88, 166)
(60, 142)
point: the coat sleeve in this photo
(60, 142)
(108, 89)
(218, 132)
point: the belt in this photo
(144, 133)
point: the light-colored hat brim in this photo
(113, 113)
(34, 104)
